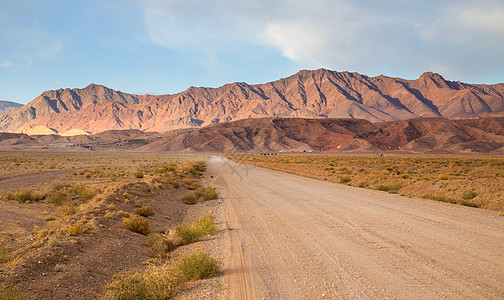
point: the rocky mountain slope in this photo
(439, 135)
(5, 106)
(309, 94)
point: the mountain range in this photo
(420, 135)
(318, 94)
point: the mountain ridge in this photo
(317, 93)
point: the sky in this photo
(164, 47)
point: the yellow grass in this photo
(467, 180)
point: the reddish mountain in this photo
(309, 94)
(293, 134)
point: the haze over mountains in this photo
(5, 106)
(308, 94)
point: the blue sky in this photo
(161, 47)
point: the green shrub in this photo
(136, 224)
(197, 265)
(207, 193)
(175, 184)
(144, 211)
(189, 198)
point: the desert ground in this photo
(65, 227)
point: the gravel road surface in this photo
(293, 237)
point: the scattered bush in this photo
(74, 229)
(144, 211)
(189, 198)
(187, 181)
(389, 188)
(207, 193)
(345, 180)
(439, 198)
(206, 225)
(443, 177)
(136, 224)
(189, 234)
(175, 184)
(4, 253)
(197, 265)
(139, 173)
(160, 244)
(161, 282)
(467, 203)
(10, 292)
(24, 196)
(468, 195)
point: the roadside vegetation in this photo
(98, 195)
(475, 181)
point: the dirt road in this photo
(297, 238)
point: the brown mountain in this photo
(309, 94)
(484, 135)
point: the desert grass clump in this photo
(137, 224)
(206, 225)
(138, 174)
(189, 198)
(11, 292)
(24, 196)
(160, 244)
(345, 180)
(468, 195)
(193, 233)
(197, 265)
(439, 198)
(161, 282)
(4, 253)
(389, 188)
(443, 177)
(74, 229)
(207, 193)
(157, 282)
(144, 211)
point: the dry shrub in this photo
(67, 210)
(75, 229)
(197, 265)
(11, 292)
(144, 211)
(161, 282)
(443, 177)
(137, 224)
(24, 196)
(207, 193)
(189, 198)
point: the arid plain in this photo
(65, 225)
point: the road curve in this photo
(298, 238)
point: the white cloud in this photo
(6, 65)
(459, 36)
